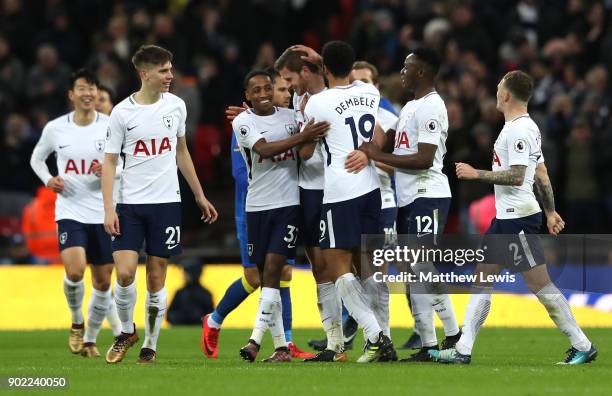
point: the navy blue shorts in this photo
(92, 237)
(388, 217)
(514, 243)
(241, 226)
(157, 225)
(343, 223)
(273, 231)
(423, 219)
(310, 202)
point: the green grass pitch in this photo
(506, 362)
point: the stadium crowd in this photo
(565, 45)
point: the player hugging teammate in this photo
(350, 205)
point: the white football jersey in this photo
(518, 143)
(273, 182)
(387, 121)
(146, 135)
(351, 111)
(422, 120)
(311, 170)
(77, 150)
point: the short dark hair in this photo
(272, 71)
(292, 60)
(429, 57)
(151, 54)
(360, 65)
(255, 73)
(85, 74)
(520, 85)
(109, 91)
(338, 57)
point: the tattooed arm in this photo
(511, 177)
(544, 191)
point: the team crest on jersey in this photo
(63, 238)
(433, 125)
(244, 130)
(99, 146)
(108, 133)
(290, 128)
(250, 249)
(520, 145)
(168, 121)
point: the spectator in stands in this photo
(192, 301)
(48, 82)
(12, 77)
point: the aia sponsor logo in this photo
(80, 167)
(287, 155)
(496, 159)
(401, 140)
(144, 148)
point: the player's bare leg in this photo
(99, 304)
(155, 307)
(126, 262)
(538, 281)
(75, 261)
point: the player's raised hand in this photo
(232, 112)
(111, 223)
(311, 55)
(314, 131)
(209, 213)
(465, 171)
(97, 169)
(56, 184)
(356, 161)
(370, 150)
(555, 223)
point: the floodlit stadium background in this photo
(565, 45)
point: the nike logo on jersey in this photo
(422, 234)
(266, 313)
(170, 247)
(129, 129)
(62, 147)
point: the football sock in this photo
(74, 292)
(414, 330)
(422, 312)
(155, 310)
(559, 311)
(330, 310)
(285, 294)
(264, 317)
(378, 294)
(99, 303)
(235, 294)
(443, 306)
(357, 304)
(113, 317)
(276, 323)
(125, 299)
(475, 315)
